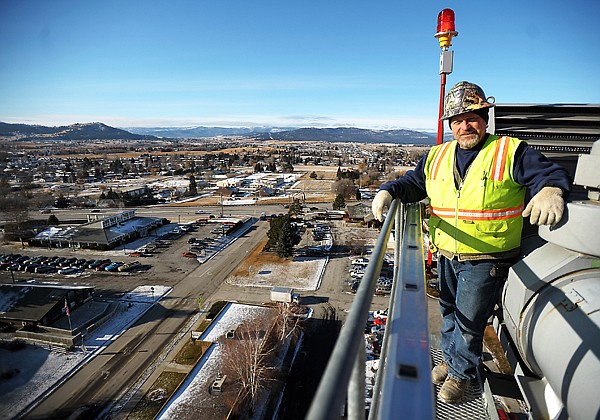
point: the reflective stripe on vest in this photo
(477, 214)
(438, 159)
(500, 159)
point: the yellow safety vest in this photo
(482, 216)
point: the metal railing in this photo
(403, 386)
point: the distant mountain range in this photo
(339, 134)
(351, 134)
(202, 132)
(99, 131)
(86, 131)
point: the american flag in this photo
(67, 308)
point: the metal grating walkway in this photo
(473, 407)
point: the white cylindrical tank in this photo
(551, 303)
(558, 337)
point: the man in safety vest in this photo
(476, 188)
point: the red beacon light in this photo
(445, 28)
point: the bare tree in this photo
(246, 358)
(414, 155)
(288, 321)
(344, 187)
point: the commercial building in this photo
(99, 232)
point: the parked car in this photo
(189, 255)
(360, 261)
(378, 329)
(30, 268)
(129, 266)
(95, 264)
(381, 313)
(68, 270)
(380, 321)
(67, 262)
(102, 266)
(44, 269)
(113, 266)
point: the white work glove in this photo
(546, 207)
(382, 201)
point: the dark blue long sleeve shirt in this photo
(531, 169)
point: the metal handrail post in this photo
(330, 394)
(356, 387)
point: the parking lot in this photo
(160, 259)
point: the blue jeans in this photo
(467, 297)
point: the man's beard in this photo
(468, 141)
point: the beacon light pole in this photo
(445, 31)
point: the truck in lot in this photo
(284, 294)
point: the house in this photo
(359, 212)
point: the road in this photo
(104, 378)
(176, 214)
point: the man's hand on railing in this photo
(381, 202)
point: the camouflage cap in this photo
(464, 97)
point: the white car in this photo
(381, 313)
(377, 329)
(360, 261)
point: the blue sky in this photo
(313, 63)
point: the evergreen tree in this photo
(193, 189)
(339, 202)
(295, 207)
(282, 236)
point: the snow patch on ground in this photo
(193, 393)
(304, 273)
